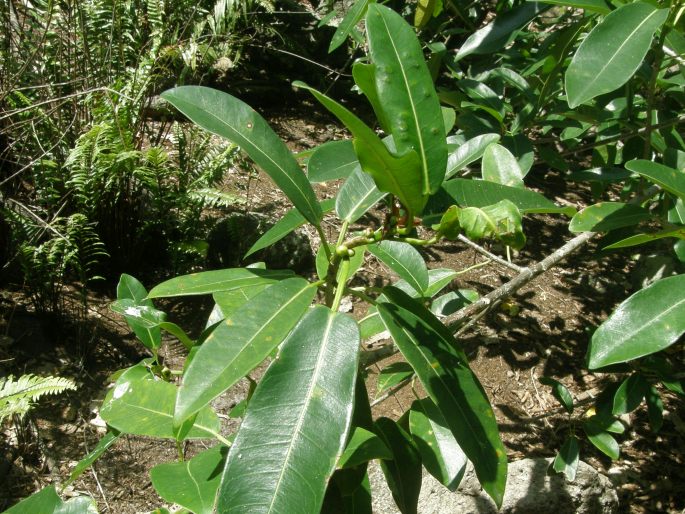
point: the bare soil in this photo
(509, 351)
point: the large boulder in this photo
(530, 490)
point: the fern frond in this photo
(17, 396)
(211, 197)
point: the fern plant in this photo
(18, 395)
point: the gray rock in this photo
(529, 491)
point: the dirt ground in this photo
(509, 352)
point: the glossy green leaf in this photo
(403, 259)
(208, 282)
(560, 392)
(399, 175)
(670, 179)
(499, 32)
(605, 174)
(352, 17)
(403, 472)
(501, 167)
(297, 422)
(103, 445)
(332, 161)
(648, 321)
(449, 227)
(449, 118)
(606, 216)
(602, 440)
(356, 196)
(567, 459)
(464, 154)
(598, 6)
(146, 407)
(392, 375)
(288, 223)
(501, 221)
(226, 116)
(629, 394)
(46, 501)
(640, 239)
(365, 78)
(438, 279)
(193, 483)
(363, 447)
(453, 301)
(424, 12)
(409, 99)
(142, 315)
(130, 289)
(241, 342)
(444, 372)
(482, 95)
(228, 301)
(612, 51)
(522, 149)
(440, 453)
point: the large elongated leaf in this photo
(241, 342)
(566, 461)
(129, 288)
(352, 17)
(406, 87)
(208, 282)
(331, 161)
(405, 260)
(363, 447)
(226, 116)
(445, 374)
(103, 444)
(403, 472)
(464, 154)
(441, 454)
(501, 30)
(146, 407)
(288, 223)
(598, 6)
(639, 239)
(605, 216)
(365, 78)
(670, 179)
(191, 484)
(612, 52)
(46, 501)
(297, 421)
(650, 320)
(357, 195)
(399, 175)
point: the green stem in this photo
(341, 279)
(343, 233)
(179, 449)
(361, 294)
(324, 242)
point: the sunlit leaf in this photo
(567, 459)
(670, 179)
(356, 196)
(404, 260)
(331, 161)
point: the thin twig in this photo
(489, 255)
(392, 391)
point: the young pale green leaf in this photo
(403, 259)
(648, 321)
(289, 222)
(449, 118)
(566, 461)
(46, 501)
(444, 372)
(410, 102)
(332, 161)
(440, 453)
(297, 421)
(655, 409)
(629, 394)
(606, 216)
(499, 32)
(208, 282)
(365, 77)
(501, 221)
(131, 291)
(670, 179)
(243, 340)
(602, 440)
(356, 196)
(560, 392)
(424, 12)
(403, 472)
(521, 148)
(229, 117)
(640, 239)
(392, 375)
(193, 483)
(449, 227)
(461, 155)
(142, 315)
(363, 447)
(399, 175)
(146, 407)
(612, 51)
(598, 6)
(501, 167)
(353, 16)
(103, 445)
(453, 301)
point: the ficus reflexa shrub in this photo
(307, 433)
